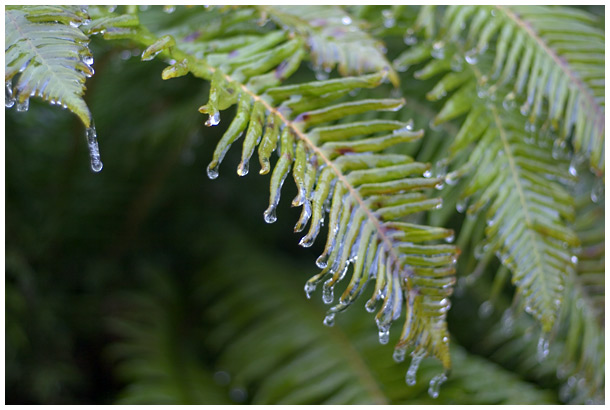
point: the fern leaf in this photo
(549, 53)
(50, 57)
(337, 168)
(334, 39)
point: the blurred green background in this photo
(149, 283)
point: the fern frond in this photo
(334, 39)
(49, 56)
(548, 53)
(519, 183)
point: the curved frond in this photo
(549, 53)
(48, 56)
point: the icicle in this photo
(543, 348)
(213, 119)
(23, 106)
(309, 289)
(94, 151)
(410, 39)
(269, 214)
(597, 193)
(435, 384)
(9, 99)
(329, 320)
(213, 171)
(399, 354)
(416, 358)
(471, 56)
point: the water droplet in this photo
(322, 260)
(238, 395)
(94, 151)
(75, 24)
(572, 169)
(450, 238)
(269, 214)
(416, 359)
(222, 378)
(509, 102)
(530, 126)
(23, 106)
(306, 241)
(88, 60)
(597, 193)
(9, 100)
(213, 170)
(309, 289)
(327, 294)
(111, 9)
(242, 169)
(346, 21)
(388, 18)
(169, 9)
(574, 259)
(370, 305)
(428, 173)
(214, 119)
(329, 320)
(150, 56)
(125, 55)
(440, 185)
(461, 205)
(384, 335)
(524, 109)
(409, 126)
(457, 64)
(543, 348)
(486, 309)
(399, 354)
(438, 50)
(435, 385)
(410, 39)
(471, 56)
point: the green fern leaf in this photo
(50, 57)
(549, 53)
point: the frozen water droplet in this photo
(543, 348)
(322, 261)
(213, 119)
(213, 170)
(486, 309)
(309, 289)
(572, 169)
(384, 335)
(329, 320)
(416, 359)
(370, 305)
(438, 50)
(94, 151)
(409, 126)
(9, 100)
(346, 21)
(460, 206)
(435, 385)
(23, 106)
(88, 60)
(388, 18)
(509, 102)
(410, 39)
(597, 193)
(399, 354)
(471, 56)
(269, 215)
(327, 294)
(242, 169)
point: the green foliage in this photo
(511, 100)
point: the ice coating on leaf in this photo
(94, 151)
(435, 385)
(416, 358)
